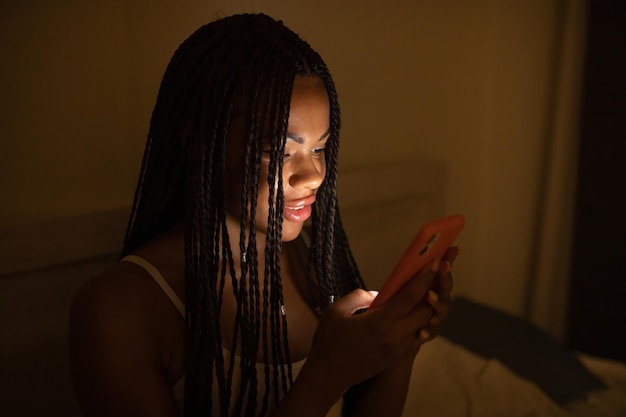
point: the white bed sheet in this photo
(450, 381)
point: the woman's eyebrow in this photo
(299, 139)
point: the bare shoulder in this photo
(116, 339)
(121, 292)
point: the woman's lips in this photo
(298, 210)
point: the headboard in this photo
(43, 262)
(382, 208)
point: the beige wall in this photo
(466, 83)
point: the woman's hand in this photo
(377, 346)
(385, 393)
(350, 348)
(438, 296)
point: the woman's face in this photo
(304, 165)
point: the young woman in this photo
(223, 302)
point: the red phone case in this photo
(431, 241)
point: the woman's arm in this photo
(385, 393)
(348, 349)
(115, 363)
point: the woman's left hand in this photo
(438, 297)
(385, 393)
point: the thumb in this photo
(451, 254)
(355, 300)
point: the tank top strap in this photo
(158, 278)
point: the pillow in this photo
(522, 347)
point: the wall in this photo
(465, 84)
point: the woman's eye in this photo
(267, 154)
(318, 151)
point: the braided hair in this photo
(239, 65)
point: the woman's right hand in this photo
(350, 348)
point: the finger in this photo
(440, 307)
(414, 328)
(439, 296)
(412, 323)
(441, 311)
(444, 280)
(417, 341)
(411, 295)
(451, 254)
(442, 285)
(428, 333)
(425, 334)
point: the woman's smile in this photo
(298, 210)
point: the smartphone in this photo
(431, 241)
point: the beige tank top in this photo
(179, 388)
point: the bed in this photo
(486, 362)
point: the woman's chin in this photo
(291, 230)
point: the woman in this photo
(219, 292)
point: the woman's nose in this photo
(307, 173)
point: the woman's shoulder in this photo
(120, 294)
(125, 309)
(131, 285)
(118, 283)
(131, 289)
(121, 331)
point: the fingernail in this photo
(433, 297)
(436, 263)
(446, 267)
